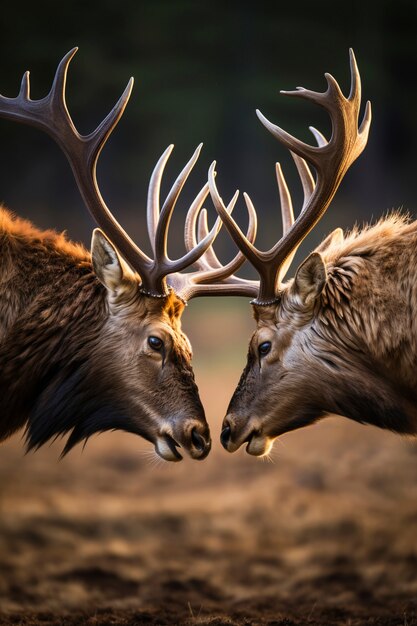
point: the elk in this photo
(340, 337)
(93, 342)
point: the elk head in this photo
(281, 387)
(140, 360)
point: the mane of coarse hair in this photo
(346, 260)
(54, 390)
(363, 240)
(21, 229)
(47, 382)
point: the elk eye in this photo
(264, 348)
(155, 343)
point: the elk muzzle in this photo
(192, 436)
(236, 432)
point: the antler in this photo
(51, 115)
(331, 159)
(211, 278)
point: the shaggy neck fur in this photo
(52, 308)
(364, 328)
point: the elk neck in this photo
(51, 312)
(366, 319)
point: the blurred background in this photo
(326, 534)
(201, 69)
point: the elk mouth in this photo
(232, 441)
(258, 444)
(166, 448)
(253, 435)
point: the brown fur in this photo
(74, 355)
(352, 350)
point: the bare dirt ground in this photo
(326, 534)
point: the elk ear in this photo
(335, 238)
(106, 262)
(310, 278)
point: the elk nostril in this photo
(225, 436)
(198, 441)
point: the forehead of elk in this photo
(164, 311)
(265, 315)
(164, 314)
(169, 308)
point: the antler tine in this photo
(196, 228)
(294, 145)
(237, 235)
(308, 185)
(193, 255)
(220, 280)
(307, 180)
(161, 235)
(198, 222)
(194, 213)
(154, 190)
(287, 212)
(318, 136)
(24, 92)
(219, 271)
(209, 259)
(355, 79)
(331, 159)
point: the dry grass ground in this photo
(326, 534)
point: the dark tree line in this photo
(201, 69)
